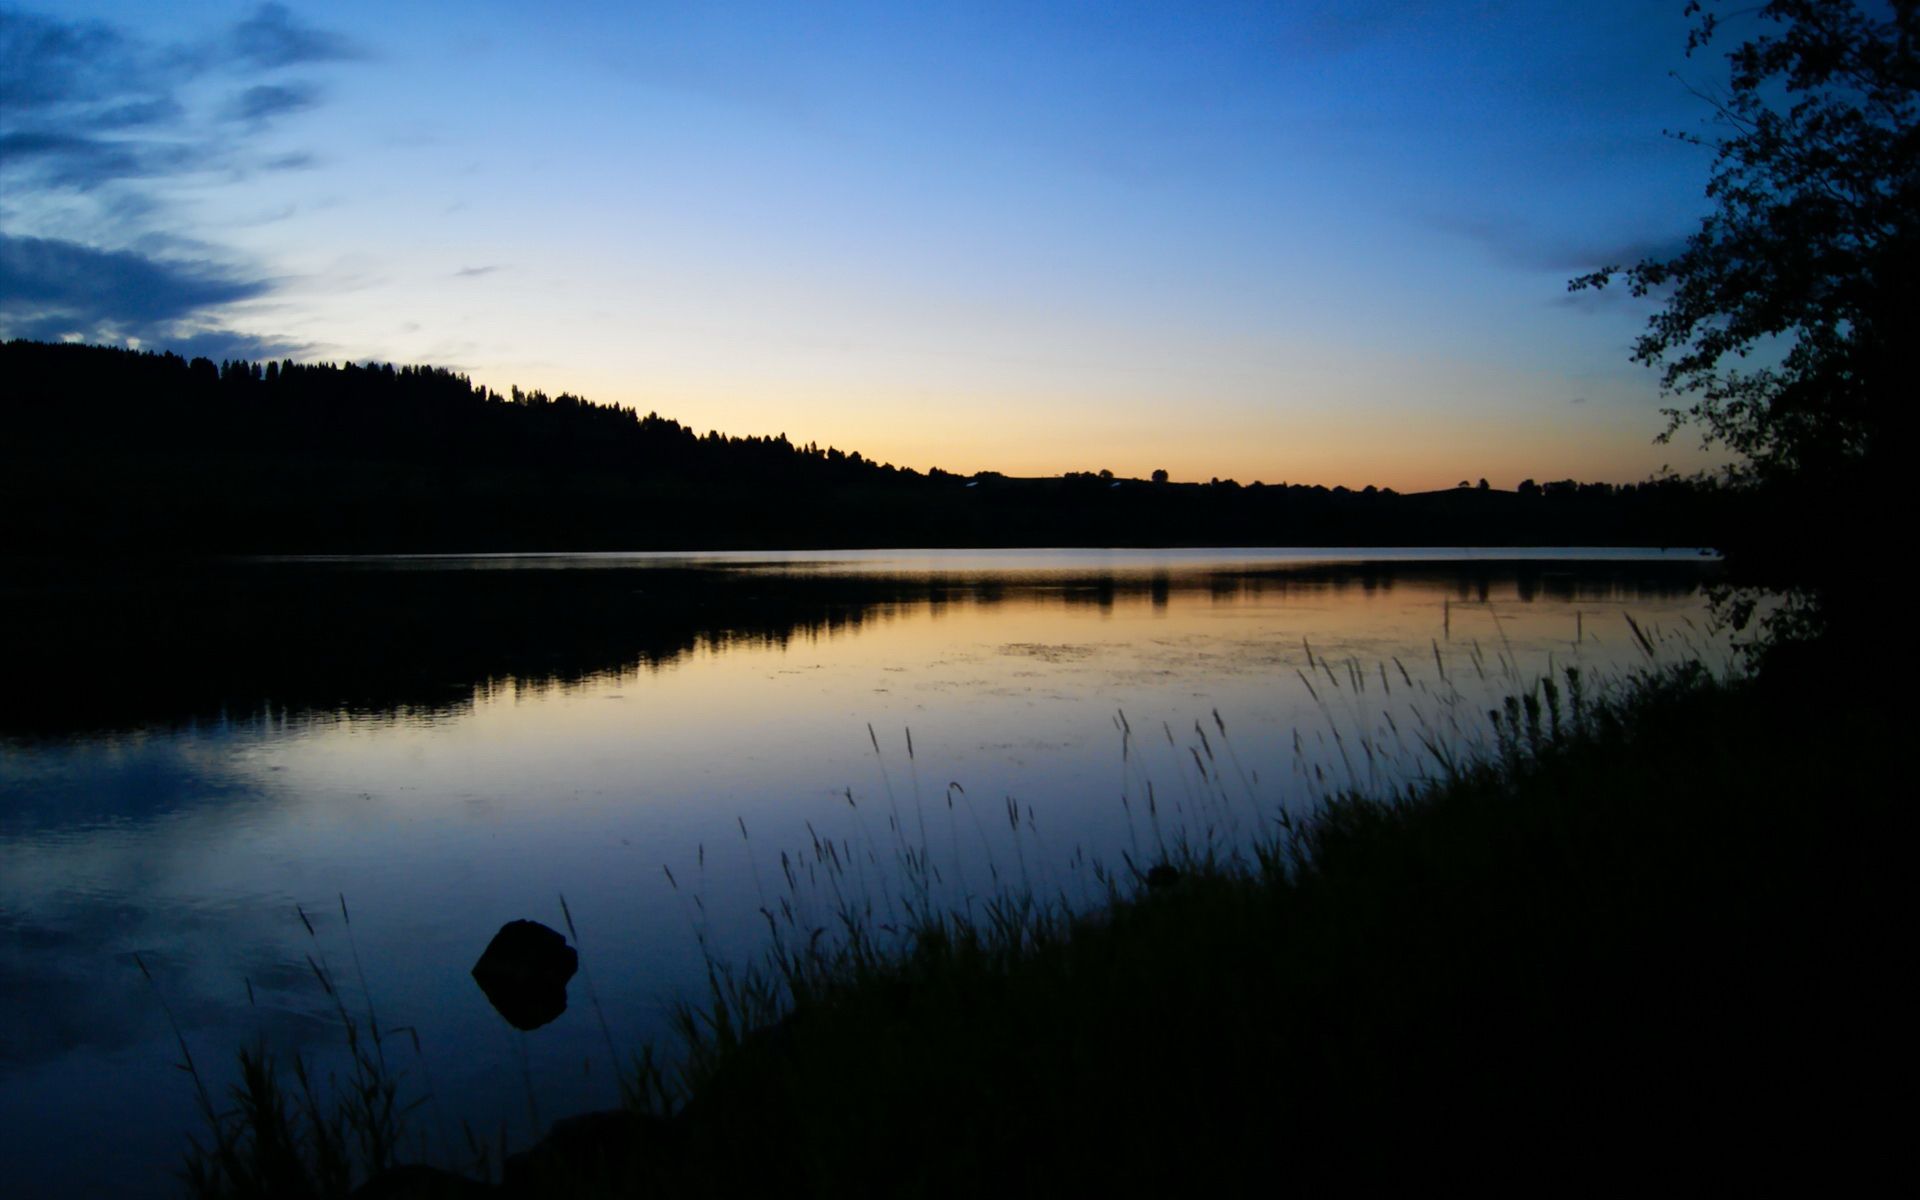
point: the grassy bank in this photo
(1653, 937)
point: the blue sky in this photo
(1315, 242)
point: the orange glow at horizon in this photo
(1351, 441)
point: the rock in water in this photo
(524, 973)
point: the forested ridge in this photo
(107, 448)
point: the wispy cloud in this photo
(52, 289)
(274, 37)
(83, 105)
(65, 159)
(265, 101)
(70, 92)
(299, 160)
(1517, 243)
(44, 61)
(68, 281)
(88, 110)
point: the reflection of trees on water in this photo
(273, 642)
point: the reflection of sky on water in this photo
(192, 847)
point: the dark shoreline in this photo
(1646, 936)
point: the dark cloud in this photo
(266, 101)
(44, 61)
(83, 105)
(1592, 256)
(274, 37)
(474, 272)
(1617, 298)
(299, 160)
(30, 146)
(63, 85)
(52, 289)
(1518, 244)
(219, 344)
(47, 276)
(83, 162)
(138, 114)
(88, 108)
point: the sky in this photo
(1316, 242)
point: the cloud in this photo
(66, 87)
(89, 111)
(137, 114)
(1617, 298)
(273, 37)
(44, 61)
(70, 160)
(1516, 243)
(83, 105)
(474, 272)
(53, 290)
(266, 101)
(45, 276)
(1592, 255)
(219, 344)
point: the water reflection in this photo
(453, 744)
(259, 643)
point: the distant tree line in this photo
(135, 451)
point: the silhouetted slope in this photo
(108, 449)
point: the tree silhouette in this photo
(124, 452)
(1807, 265)
(1785, 321)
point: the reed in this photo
(1622, 887)
(284, 1130)
(1582, 887)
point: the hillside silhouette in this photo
(112, 450)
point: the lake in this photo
(201, 761)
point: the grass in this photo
(1645, 931)
(289, 1133)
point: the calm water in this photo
(452, 743)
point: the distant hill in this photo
(105, 449)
